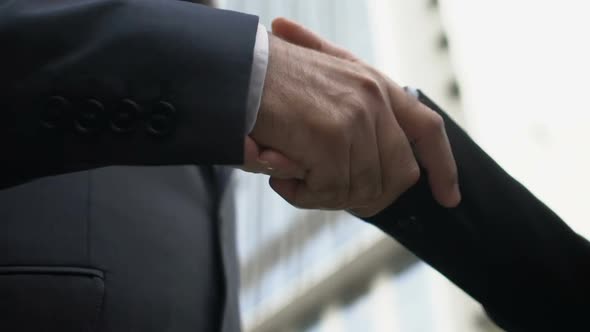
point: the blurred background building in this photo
(514, 74)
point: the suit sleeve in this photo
(502, 246)
(90, 83)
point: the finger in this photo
(270, 162)
(286, 188)
(426, 130)
(366, 182)
(296, 193)
(299, 35)
(400, 168)
(327, 182)
(322, 188)
(251, 162)
(283, 166)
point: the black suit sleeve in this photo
(504, 247)
(89, 83)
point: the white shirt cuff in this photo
(259, 66)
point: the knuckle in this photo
(338, 130)
(434, 123)
(413, 175)
(371, 86)
(358, 110)
(356, 102)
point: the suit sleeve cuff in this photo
(259, 66)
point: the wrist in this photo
(270, 88)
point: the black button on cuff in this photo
(161, 120)
(90, 118)
(124, 118)
(55, 112)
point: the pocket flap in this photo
(37, 298)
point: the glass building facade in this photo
(329, 272)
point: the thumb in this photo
(295, 33)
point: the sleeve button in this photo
(55, 112)
(161, 119)
(125, 116)
(90, 118)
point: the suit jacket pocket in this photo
(37, 298)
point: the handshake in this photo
(334, 133)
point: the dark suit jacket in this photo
(504, 247)
(89, 83)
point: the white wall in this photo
(525, 75)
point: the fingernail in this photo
(266, 165)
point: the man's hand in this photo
(423, 127)
(333, 118)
